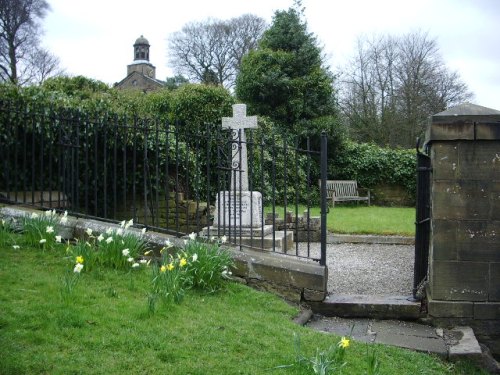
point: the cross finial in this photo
(239, 119)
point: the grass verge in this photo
(104, 327)
(362, 219)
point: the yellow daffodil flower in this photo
(170, 266)
(344, 342)
(79, 259)
(182, 262)
(163, 269)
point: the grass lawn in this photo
(362, 219)
(103, 327)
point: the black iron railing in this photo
(164, 175)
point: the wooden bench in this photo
(344, 191)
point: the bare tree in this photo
(394, 84)
(42, 64)
(211, 51)
(19, 30)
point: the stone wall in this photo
(304, 229)
(464, 259)
(177, 213)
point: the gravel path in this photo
(375, 269)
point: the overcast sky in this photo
(94, 38)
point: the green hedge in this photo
(371, 165)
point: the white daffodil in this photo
(89, 232)
(135, 265)
(100, 238)
(125, 252)
(143, 261)
(34, 215)
(195, 257)
(168, 244)
(143, 230)
(130, 259)
(63, 220)
(78, 268)
(109, 231)
(109, 240)
(16, 247)
(50, 229)
(122, 224)
(223, 239)
(43, 240)
(58, 239)
(129, 223)
(119, 232)
(192, 236)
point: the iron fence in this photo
(170, 177)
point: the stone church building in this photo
(141, 74)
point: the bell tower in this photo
(141, 62)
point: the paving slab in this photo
(413, 336)
(453, 343)
(358, 329)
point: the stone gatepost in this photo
(464, 259)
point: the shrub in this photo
(371, 165)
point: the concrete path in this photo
(448, 344)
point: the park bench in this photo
(344, 191)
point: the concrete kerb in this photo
(287, 276)
(369, 239)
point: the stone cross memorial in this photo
(239, 208)
(237, 124)
(238, 211)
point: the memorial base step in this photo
(277, 241)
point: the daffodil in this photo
(163, 268)
(143, 261)
(168, 244)
(34, 215)
(126, 252)
(223, 239)
(122, 223)
(43, 240)
(100, 238)
(109, 231)
(79, 259)
(58, 239)
(195, 257)
(119, 232)
(129, 223)
(182, 262)
(135, 265)
(15, 247)
(109, 240)
(89, 232)
(344, 342)
(78, 268)
(143, 230)
(50, 229)
(192, 236)
(170, 266)
(148, 252)
(130, 259)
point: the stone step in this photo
(374, 307)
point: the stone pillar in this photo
(464, 259)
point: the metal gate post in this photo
(324, 207)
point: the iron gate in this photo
(423, 221)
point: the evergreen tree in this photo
(285, 78)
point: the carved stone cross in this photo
(238, 123)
